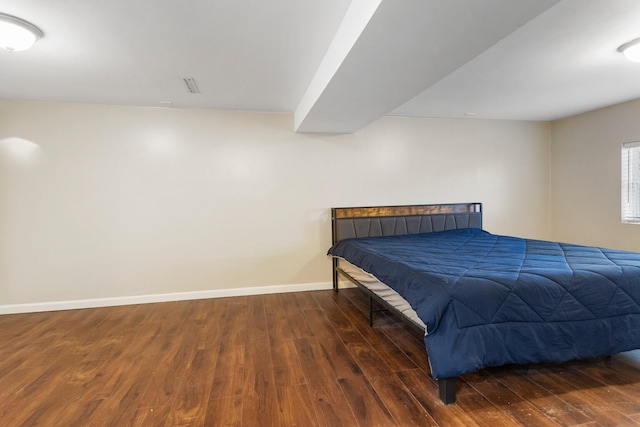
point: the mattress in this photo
(383, 291)
(490, 300)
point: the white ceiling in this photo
(336, 64)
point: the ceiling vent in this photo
(191, 85)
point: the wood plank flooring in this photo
(299, 359)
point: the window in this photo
(631, 182)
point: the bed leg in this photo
(335, 275)
(370, 311)
(447, 388)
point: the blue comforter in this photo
(491, 300)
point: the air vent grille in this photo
(191, 84)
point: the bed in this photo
(486, 300)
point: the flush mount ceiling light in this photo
(631, 50)
(17, 34)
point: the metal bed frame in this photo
(356, 222)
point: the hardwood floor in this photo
(299, 359)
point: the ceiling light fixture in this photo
(631, 50)
(17, 34)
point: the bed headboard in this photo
(408, 219)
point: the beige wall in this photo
(585, 177)
(108, 201)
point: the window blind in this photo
(631, 182)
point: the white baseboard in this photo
(145, 299)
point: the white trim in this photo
(145, 299)
(631, 144)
